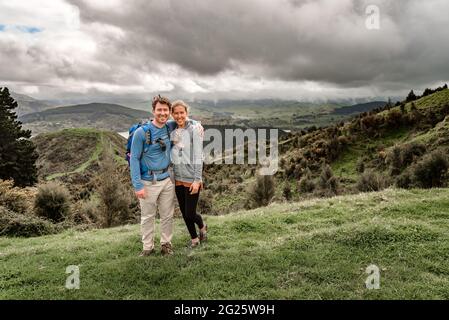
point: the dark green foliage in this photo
(287, 192)
(205, 202)
(405, 180)
(262, 192)
(306, 184)
(115, 199)
(17, 153)
(371, 181)
(431, 171)
(14, 224)
(327, 182)
(360, 165)
(410, 152)
(400, 157)
(52, 202)
(394, 160)
(411, 97)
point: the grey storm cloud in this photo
(199, 47)
(323, 40)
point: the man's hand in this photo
(141, 194)
(194, 187)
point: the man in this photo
(150, 160)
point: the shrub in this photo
(287, 192)
(393, 159)
(114, 198)
(371, 181)
(86, 211)
(404, 180)
(431, 171)
(327, 182)
(306, 184)
(52, 201)
(410, 152)
(262, 192)
(14, 198)
(360, 165)
(23, 225)
(205, 202)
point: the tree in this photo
(411, 97)
(17, 152)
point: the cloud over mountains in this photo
(276, 48)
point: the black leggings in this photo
(187, 204)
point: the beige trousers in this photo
(159, 195)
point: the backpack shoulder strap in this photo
(147, 130)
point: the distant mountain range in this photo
(46, 116)
(28, 104)
(93, 115)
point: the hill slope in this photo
(318, 249)
(73, 151)
(94, 115)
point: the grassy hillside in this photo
(94, 115)
(73, 151)
(367, 139)
(317, 249)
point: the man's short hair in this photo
(161, 100)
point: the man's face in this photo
(161, 112)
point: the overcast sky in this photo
(291, 49)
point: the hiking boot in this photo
(203, 234)
(166, 249)
(191, 245)
(146, 253)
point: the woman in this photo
(187, 159)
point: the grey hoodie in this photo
(187, 153)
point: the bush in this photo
(287, 192)
(400, 157)
(52, 202)
(205, 202)
(262, 192)
(371, 181)
(86, 212)
(306, 184)
(114, 198)
(431, 171)
(405, 180)
(14, 198)
(394, 160)
(327, 182)
(410, 152)
(360, 165)
(23, 225)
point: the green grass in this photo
(345, 164)
(94, 157)
(317, 249)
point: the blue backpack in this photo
(147, 130)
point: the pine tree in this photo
(17, 152)
(411, 97)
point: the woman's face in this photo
(179, 113)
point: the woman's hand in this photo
(195, 187)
